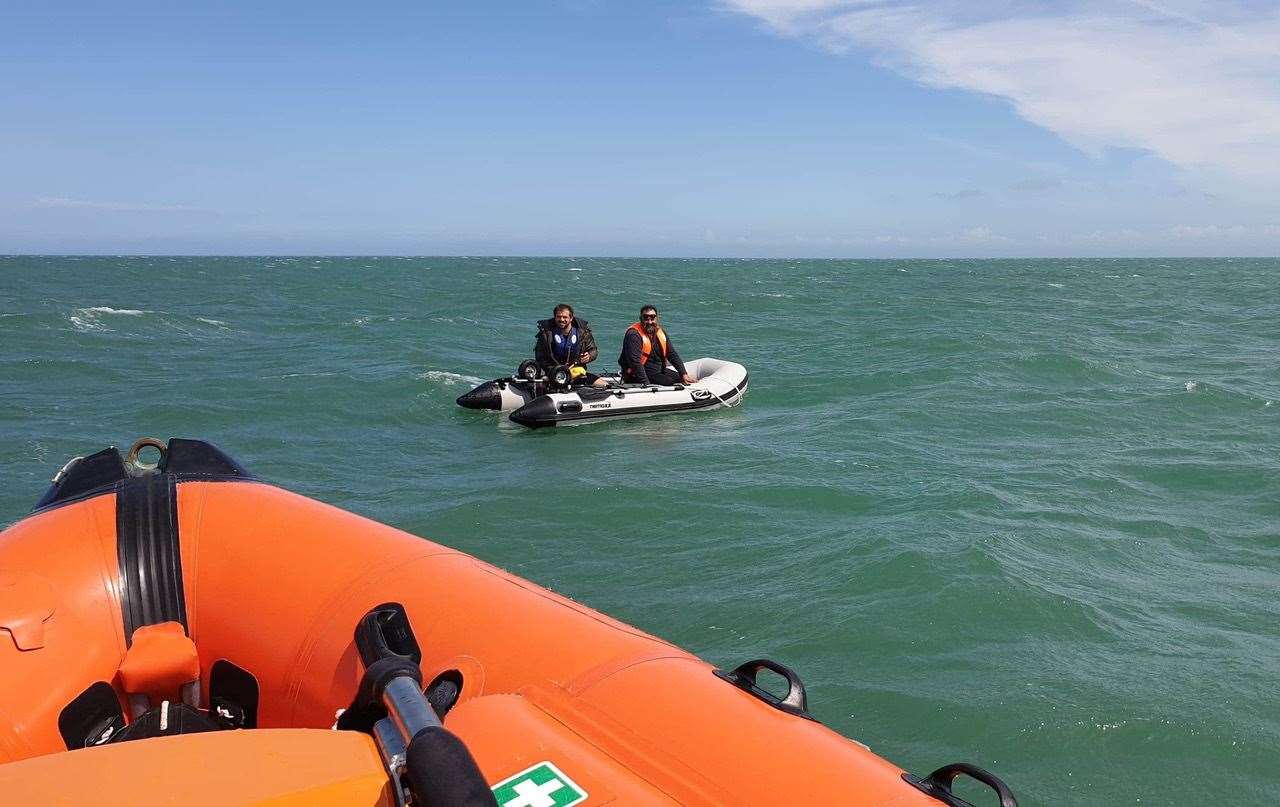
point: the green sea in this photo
(1021, 513)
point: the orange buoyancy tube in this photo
(646, 345)
(550, 692)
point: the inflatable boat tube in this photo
(148, 610)
(509, 394)
(718, 384)
(726, 381)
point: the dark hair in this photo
(645, 308)
(562, 307)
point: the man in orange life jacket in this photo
(647, 352)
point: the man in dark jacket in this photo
(648, 355)
(566, 340)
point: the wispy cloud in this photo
(1220, 231)
(1036, 186)
(130, 207)
(1227, 235)
(960, 195)
(982, 235)
(1191, 81)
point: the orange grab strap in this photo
(161, 659)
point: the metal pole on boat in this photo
(428, 765)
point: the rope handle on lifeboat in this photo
(425, 761)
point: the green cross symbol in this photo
(543, 785)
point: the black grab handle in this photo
(744, 677)
(385, 632)
(938, 784)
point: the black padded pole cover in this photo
(442, 772)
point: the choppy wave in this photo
(107, 320)
(128, 312)
(316, 374)
(451, 379)
(86, 324)
(89, 319)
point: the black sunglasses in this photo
(648, 316)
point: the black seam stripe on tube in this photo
(148, 550)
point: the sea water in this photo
(1022, 513)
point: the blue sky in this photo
(824, 128)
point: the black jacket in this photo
(584, 351)
(636, 373)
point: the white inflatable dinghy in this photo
(537, 401)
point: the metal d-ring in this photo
(131, 458)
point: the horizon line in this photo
(550, 256)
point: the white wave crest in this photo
(302, 375)
(1192, 386)
(90, 319)
(208, 321)
(87, 324)
(102, 309)
(450, 379)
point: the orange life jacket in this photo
(646, 345)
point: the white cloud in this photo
(1192, 82)
(1229, 235)
(982, 235)
(1036, 186)
(961, 195)
(131, 207)
(1212, 231)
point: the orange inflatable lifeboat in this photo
(181, 633)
